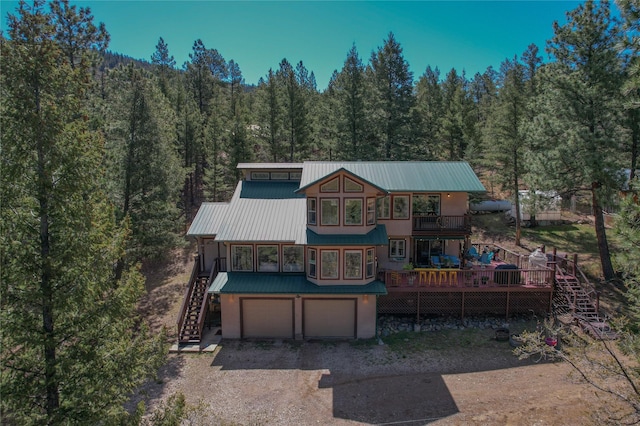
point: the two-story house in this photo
(298, 251)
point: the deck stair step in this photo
(189, 330)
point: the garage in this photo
(324, 318)
(266, 318)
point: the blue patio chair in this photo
(486, 258)
(472, 253)
(435, 261)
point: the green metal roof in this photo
(376, 237)
(264, 283)
(208, 219)
(269, 190)
(401, 176)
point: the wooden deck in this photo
(481, 289)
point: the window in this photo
(384, 207)
(329, 211)
(331, 186)
(371, 211)
(268, 259)
(426, 205)
(279, 176)
(329, 264)
(397, 248)
(311, 211)
(353, 211)
(242, 258)
(259, 176)
(352, 186)
(295, 175)
(371, 258)
(312, 263)
(293, 259)
(401, 207)
(353, 264)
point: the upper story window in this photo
(384, 207)
(426, 205)
(352, 186)
(292, 259)
(268, 259)
(312, 211)
(242, 258)
(259, 175)
(401, 207)
(329, 211)
(353, 211)
(332, 186)
(371, 211)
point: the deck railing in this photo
(475, 277)
(441, 223)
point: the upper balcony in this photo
(434, 225)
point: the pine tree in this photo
(576, 126)
(269, 116)
(349, 90)
(430, 109)
(165, 64)
(71, 347)
(145, 174)
(392, 101)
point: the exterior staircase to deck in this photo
(191, 329)
(575, 298)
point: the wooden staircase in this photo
(195, 305)
(190, 330)
(581, 303)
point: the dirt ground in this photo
(451, 382)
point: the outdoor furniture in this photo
(395, 279)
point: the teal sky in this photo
(257, 35)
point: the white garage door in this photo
(329, 318)
(269, 318)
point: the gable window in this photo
(371, 211)
(353, 211)
(329, 211)
(332, 186)
(426, 205)
(401, 207)
(268, 259)
(353, 264)
(384, 207)
(293, 259)
(371, 258)
(312, 263)
(397, 248)
(352, 186)
(329, 264)
(242, 258)
(311, 211)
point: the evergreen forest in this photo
(105, 161)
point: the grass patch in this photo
(411, 342)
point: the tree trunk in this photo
(603, 246)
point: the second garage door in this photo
(267, 318)
(329, 318)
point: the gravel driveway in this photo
(304, 383)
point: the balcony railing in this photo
(478, 276)
(437, 224)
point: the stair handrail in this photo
(187, 295)
(204, 307)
